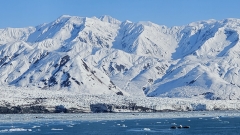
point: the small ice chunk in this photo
(56, 129)
(17, 129)
(124, 125)
(4, 130)
(146, 129)
(36, 126)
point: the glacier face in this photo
(105, 56)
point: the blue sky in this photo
(22, 13)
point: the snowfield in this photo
(103, 64)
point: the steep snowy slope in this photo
(211, 63)
(104, 55)
(53, 70)
(51, 57)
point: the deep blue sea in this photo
(39, 125)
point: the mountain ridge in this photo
(100, 55)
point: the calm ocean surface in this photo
(135, 125)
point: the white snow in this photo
(93, 59)
(15, 96)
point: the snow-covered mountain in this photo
(102, 55)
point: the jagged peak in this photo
(126, 22)
(146, 23)
(231, 20)
(109, 19)
(197, 23)
(151, 24)
(228, 22)
(65, 18)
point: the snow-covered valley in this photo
(79, 62)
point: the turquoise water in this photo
(226, 125)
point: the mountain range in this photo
(102, 55)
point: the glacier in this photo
(104, 57)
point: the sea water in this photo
(201, 123)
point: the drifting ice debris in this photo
(146, 129)
(57, 129)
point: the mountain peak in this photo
(231, 20)
(109, 19)
(63, 17)
(150, 24)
